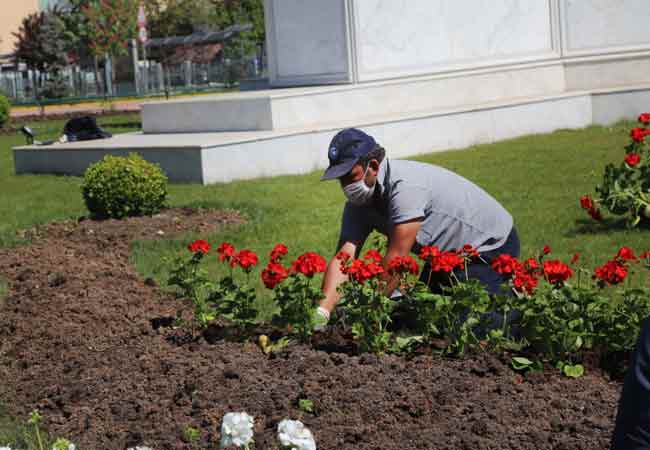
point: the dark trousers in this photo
(480, 269)
(632, 431)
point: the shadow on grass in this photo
(606, 226)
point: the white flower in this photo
(295, 435)
(137, 448)
(236, 429)
(5, 448)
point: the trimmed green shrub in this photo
(118, 187)
(5, 107)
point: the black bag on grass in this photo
(84, 129)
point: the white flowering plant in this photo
(237, 430)
(294, 435)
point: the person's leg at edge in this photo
(632, 429)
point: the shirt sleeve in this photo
(355, 226)
(407, 203)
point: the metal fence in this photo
(144, 78)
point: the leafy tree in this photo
(40, 44)
(108, 27)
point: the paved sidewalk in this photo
(89, 108)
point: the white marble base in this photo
(221, 157)
(308, 107)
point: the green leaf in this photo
(573, 371)
(521, 363)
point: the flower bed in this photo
(93, 346)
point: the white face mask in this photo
(359, 193)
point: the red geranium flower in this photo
(429, 252)
(644, 118)
(612, 272)
(373, 255)
(278, 252)
(524, 282)
(199, 246)
(645, 255)
(575, 258)
(586, 202)
(638, 134)
(402, 264)
(309, 264)
(447, 262)
(506, 264)
(226, 251)
(556, 271)
(469, 251)
(274, 274)
(626, 254)
(360, 271)
(343, 256)
(632, 159)
(246, 259)
(531, 265)
(546, 250)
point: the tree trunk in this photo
(98, 79)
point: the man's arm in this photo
(400, 242)
(334, 277)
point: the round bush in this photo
(5, 107)
(118, 187)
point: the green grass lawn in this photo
(539, 179)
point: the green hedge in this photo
(5, 108)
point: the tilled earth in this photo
(77, 341)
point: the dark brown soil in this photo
(78, 341)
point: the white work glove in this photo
(321, 317)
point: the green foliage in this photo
(295, 296)
(235, 301)
(625, 188)
(119, 187)
(458, 315)
(109, 25)
(5, 109)
(192, 436)
(193, 284)
(305, 405)
(368, 310)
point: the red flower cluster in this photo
(470, 252)
(639, 134)
(626, 254)
(546, 250)
(506, 265)
(556, 272)
(612, 272)
(403, 264)
(615, 270)
(525, 281)
(441, 261)
(373, 255)
(360, 271)
(632, 159)
(226, 251)
(524, 276)
(588, 205)
(274, 274)
(199, 246)
(278, 252)
(644, 118)
(245, 259)
(309, 264)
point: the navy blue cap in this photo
(345, 150)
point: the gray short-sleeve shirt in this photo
(453, 210)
